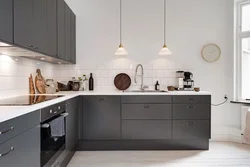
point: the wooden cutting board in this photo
(122, 81)
(40, 82)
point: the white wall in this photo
(15, 72)
(191, 24)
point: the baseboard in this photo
(226, 134)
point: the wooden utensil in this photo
(40, 82)
(31, 85)
(122, 81)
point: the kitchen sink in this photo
(148, 91)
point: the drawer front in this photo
(16, 126)
(191, 129)
(51, 111)
(147, 99)
(191, 111)
(146, 129)
(200, 99)
(146, 111)
(22, 151)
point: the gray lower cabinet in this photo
(191, 129)
(101, 117)
(146, 129)
(72, 123)
(22, 151)
(6, 18)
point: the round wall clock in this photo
(211, 52)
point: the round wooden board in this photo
(122, 81)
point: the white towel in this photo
(247, 130)
(57, 127)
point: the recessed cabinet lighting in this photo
(42, 58)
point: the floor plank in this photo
(221, 154)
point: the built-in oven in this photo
(53, 133)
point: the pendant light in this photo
(165, 51)
(121, 51)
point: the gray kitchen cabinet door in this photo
(72, 124)
(73, 38)
(67, 16)
(101, 118)
(6, 18)
(146, 129)
(191, 129)
(24, 27)
(45, 26)
(61, 29)
(22, 151)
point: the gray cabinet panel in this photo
(18, 125)
(61, 29)
(26, 150)
(146, 129)
(101, 117)
(197, 99)
(147, 99)
(6, 18)
(72, 124)
(191, 129)
(146, 111)
(73, 38)
(191, 111)
(24, 26)
(67, 16)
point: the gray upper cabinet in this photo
(67, 27)
(6, 17)
(35, 25)
(61, 29)
(73, 38)
(101, 118)
(22, 151)
(24, 27)
(72, 123)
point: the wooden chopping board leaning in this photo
(40, 82)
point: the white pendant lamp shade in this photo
(121, 51)
(165, 51)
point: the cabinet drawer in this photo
(147, 129)
(147, 99)
(191, 111)
(191, 129)
(146, 111)
(197, 99)
(22, 151)
(16, 126)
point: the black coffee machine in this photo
(188, 82)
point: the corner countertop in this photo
(10, 112)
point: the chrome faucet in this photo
(143, 87)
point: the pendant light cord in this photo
(120, 21)
(165, 23)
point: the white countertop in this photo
(10, 112)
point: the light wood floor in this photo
(220, 155)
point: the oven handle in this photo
(47, 125)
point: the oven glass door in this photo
(50, 145)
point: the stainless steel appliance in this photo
(188, 82)
(180, 80)
(26, 100)
(52, 146)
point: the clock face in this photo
(211, 52)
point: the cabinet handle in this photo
(146, 106)
(11, 128)
(190, 123)
(190, 107)
(101, 99)
(191, 99)
(4, 154)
